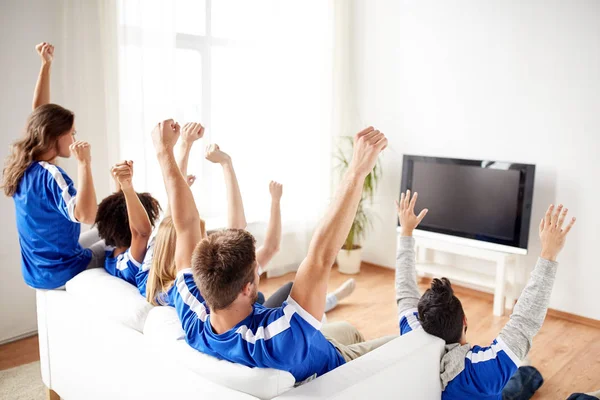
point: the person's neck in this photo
(224, 320)
(49, 157)
(119, 250)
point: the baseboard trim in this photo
(22, 336)
(578, 319)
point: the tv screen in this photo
(488, 201)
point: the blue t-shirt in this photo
(122, 266)
(486, 370)
(285, 338)
(163, 298)
(48, 230)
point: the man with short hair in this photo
(474, 372)
(223, 271)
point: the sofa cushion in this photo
(111, 297)
(163, 328)
(163, 324)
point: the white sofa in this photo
(100, 339)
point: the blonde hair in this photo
(163, 272)
(45, 125)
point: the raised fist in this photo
(215, 155)
(368, 144)
(82, 151)
(164, 135)
(276, 190)
(191, 132)
(46, 51)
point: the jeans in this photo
(523, 384)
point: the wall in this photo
(501, 80)
(77, 85)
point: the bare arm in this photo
(236, 219)
(189, 134)
(139, 222)
(407, 291)
(530, 311)
(310, 285)
(41, 94)
(273, 237)
(86, 205)
(183, 209)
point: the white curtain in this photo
(259, 76)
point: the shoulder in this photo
(53, 173)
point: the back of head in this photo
(45, 125)
(223, 264)
(440, 312)
(163, 271)
(112, 220)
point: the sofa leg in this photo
(51, 395)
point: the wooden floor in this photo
(566, 353)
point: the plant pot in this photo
(348, 261)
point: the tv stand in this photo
(503, 284)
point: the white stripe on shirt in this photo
(508, 351)
(62, 184)
(490, 353)
(411, 318)
(274, 328)
(188, 298)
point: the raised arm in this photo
(41, 94)
(273, 237)
(139, 222)
(86, 205)
(189, 134)
(530, 311)
(407, 292)
(236, 219)
(310, 285)
(183, 209)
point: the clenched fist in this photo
(46, 52)
(165, 135)
(191, 132)
(123, 174)
(368, 144)
(82, 151)
(215, 155)
(276, 190)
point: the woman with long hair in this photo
(49, 209)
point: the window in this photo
(257, 74)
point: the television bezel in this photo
(525, 202)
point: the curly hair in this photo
(112, 220)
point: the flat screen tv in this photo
(486, 201)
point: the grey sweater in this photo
(525, 321)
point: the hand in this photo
(117, 184)
(276, 190)
(123, 174)
(164, 135)
(190, 179)
(406, 213)
(368, 144)
(552, 234)
(46, 52)
(82, 151)
(191, 132)
(215, 155)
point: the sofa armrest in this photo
(393, 369)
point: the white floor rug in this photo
(22, 383)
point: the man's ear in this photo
(247, 290)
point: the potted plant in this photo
(349, 257)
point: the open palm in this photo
(406, 213)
